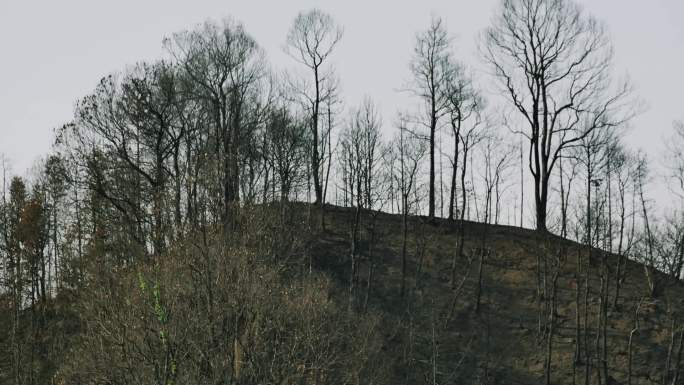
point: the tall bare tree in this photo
(469, 137)
(675, 159)
(408, 151)
(12, 207)
(463, 104)
(360, 145)
(647, 245)
(310, 41)
(287, 139)
(622, 164)
(432, 68)
(223, 65)
(554, 63)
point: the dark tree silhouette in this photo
(554, 63)
(310, 41)
(432, 69)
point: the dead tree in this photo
(554, 63)
(496, 158)
(469, 137)
(635, 330)
(408, 150)
(286, 149)
(223, 64)
(462, 103)
(431, 67)
(648, 241)
(622, 164)
(361, 150)
(310, 41)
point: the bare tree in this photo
(468, 138)
(287, 140)
(554, 63)
(408, 150)
(648, 241)
(360, 144)
(622, 164)
(670, 244)
(432, 69)
(566, 178)
(635, 331)
(12, 207)
(310, 41)
(496, 158)
(332, 103)
(672, 240)
(675, 159)
(223, 65)
(463, 104)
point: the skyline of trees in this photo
(204, 113)
(215, 91)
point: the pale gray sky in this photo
(54, 52)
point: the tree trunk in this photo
(315, 157)
(431, 197)
(404, 235)
(371, 262)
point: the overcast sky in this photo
(53, 52)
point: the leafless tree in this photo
(496, 158)
(566, 178)
(672, 239)
(310, 41)
(675, 159)
(469, 137)
(647, 244)
(670, 244)
(287, 141)
(138, 120)
(554, 63)
(463, 103)
(360, 145)
(374, 177)
(432, 68)
(635, 331)
(408, 150)
(332, 104)
(223, 65)
(622, 164)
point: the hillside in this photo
(296, 295)
(163, 238)
(501, 343)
